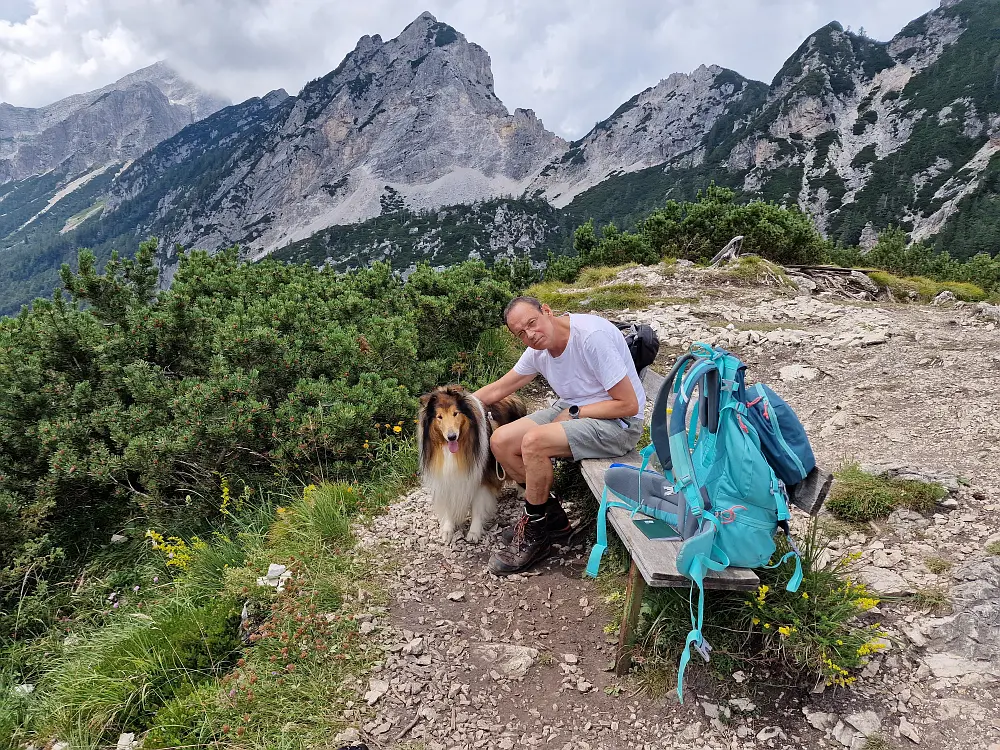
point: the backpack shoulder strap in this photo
(686, 481)
(658, 428)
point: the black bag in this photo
(642, 343)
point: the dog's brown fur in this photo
(468, 479)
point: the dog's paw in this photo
(447, 533)
(474, 535)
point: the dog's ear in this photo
(425, 399)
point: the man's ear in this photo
(546, 309)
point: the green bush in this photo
(562, 268)
(128, 402)
(696, 230)
(516, 273)
(859, 497)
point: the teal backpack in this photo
(718, 490)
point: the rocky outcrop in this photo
(412, 122)
(114, 124)
(658, 126)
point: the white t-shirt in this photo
(595, 360)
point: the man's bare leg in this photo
(538, 448)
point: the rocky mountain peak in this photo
(179, 91)
(664, 123)
(411, 122)
(115, 123)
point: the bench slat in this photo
(657, 561)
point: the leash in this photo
(501, 472)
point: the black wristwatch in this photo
(574, 412)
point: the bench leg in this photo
(633, 603)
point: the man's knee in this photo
(533, 444)
(502, 440)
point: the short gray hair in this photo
(532, 301)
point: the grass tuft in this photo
(817, 631)
(923, 289)
(938, 565)
(611, 297)
(755, 270)
(594, 276)
(993, 548)
(934, 599)
(859, 497)
(877, 741)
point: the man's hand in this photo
(512, 381)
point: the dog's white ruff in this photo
(456, 493)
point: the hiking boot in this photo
(556, 521)
(530, 544)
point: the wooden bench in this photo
(654, 562)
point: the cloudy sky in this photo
(572, 61)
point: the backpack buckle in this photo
(704, 648)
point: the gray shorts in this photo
(593, 438)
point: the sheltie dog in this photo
(457, 465)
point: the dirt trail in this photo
(473, 661)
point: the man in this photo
(599, 414)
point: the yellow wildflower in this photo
(397, 429)
(872, 647)
(279, 510)
(767, 625)
(762, 593)
(785, 630)
(756, 621)
(805, 595)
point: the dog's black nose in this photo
(451, 436)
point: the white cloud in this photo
(572, 61)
